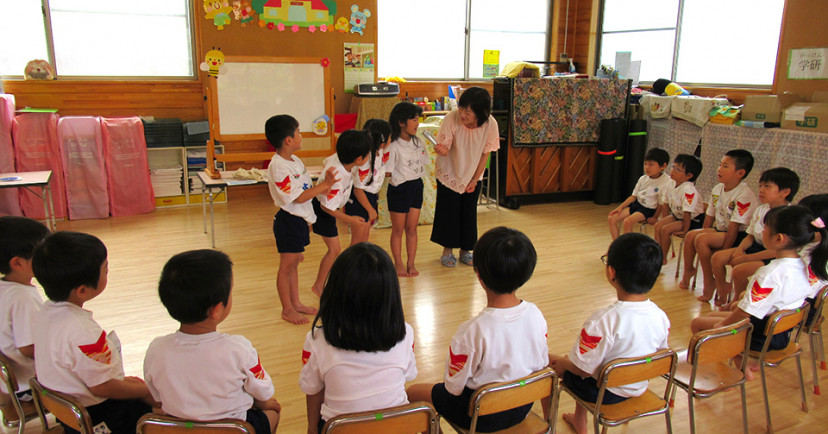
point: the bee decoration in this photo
(213, 63)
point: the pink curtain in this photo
(81, 150)
(128, 177)
(36, 148)
(9, 199)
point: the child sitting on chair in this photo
(198, 373)
(633, 326)
(684, 204)
(642, 203)
(504, 342)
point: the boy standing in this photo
(20, 305)
(291, 189)
(74, 355)
(642, 204)
(196, 372)
(504, 342)
(683, 203)
(633, 326)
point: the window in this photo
(709, 42)
(100, 38)
(430, 40)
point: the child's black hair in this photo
(636, 259)
(380, 132)
(658, 155)
(18, 238)
(280, 127)
(479, 101)
(799, 225)
(742, 160)
(505, 259)
(351, 145)
(361, 307)
(194, 281)
(401, 113)
(783, 178)
(818, 204)
(691, 165)
(66, 260)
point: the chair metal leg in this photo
(669, 422)
(696, 266)
(553, 407)
(765, 393)
(814, 348)
(678, 261)
(823, 366)
(801, 383)
(692, 412)
(744, 410)
(598, 425)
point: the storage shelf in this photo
(171, 156)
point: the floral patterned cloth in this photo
(549, 111)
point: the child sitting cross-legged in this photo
(633, 326)
(198, 373)
(504, 342)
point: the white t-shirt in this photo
(497, 345)
(782, 284)
(465, 146)
(19, 308)
(648, 190)
(356, 380)
(682, 199)
(407, 160)
(362, 174)
(73, 353)
(622, 329)
(339, 193)
(815, 282)
(287, 179)
(757, 222)
(205, 377)
(734, 206)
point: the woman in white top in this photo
(466, 138)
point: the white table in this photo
(28, 180)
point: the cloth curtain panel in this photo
(9, 197)
(36, 149)
(81, 148)
(128, 176)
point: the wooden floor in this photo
(567, 285)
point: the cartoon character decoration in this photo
(359, 19)
(39, 69)
(295, 14)
(341, 25)
(218, 11)
(243, 11)
(320, 125)
(213, 63)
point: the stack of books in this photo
(166, 181)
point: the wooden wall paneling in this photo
(803, 26)
(546, 169)
(519, 171)
(579, 167)
(436, 89)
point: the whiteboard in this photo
(249, 93)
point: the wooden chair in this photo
(65, 408)
(497, 397)
(814, 331)
(409, 418)
(24, 412)
(781, 321)
(162, 424)
(620, 372)
(707, 371)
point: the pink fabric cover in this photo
(128, 176)
(81, 150)
(35, 149)
(9, 198)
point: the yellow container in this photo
(170, 201)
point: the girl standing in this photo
(368, 180)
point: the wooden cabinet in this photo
(547, 170)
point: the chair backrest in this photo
(162, 424)
(620, 372)
(9, 380)
(65, 408)
(784, 320)
(818, 306)
(720, 344)
(409, 418)
(497, 397)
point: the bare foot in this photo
(752, 367)
(664, 261)
(703, 298)
(294, 317)
(317, 291)
(401, 270)
(412, 271)
(307, 310)
(570, 419)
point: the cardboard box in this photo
(820, 96)
(768, 108)
(806, 116)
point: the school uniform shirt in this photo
(497, 345)
(356, 380)
(465, 147)
(622, 329)
(734, 206)
(815, 282)
(647, 190)
(363, 174)
(683, 198)
(407, 160)
(287, 179)
(339, 193)
(19, 308)
(73, 353)
(757, 222)
(205, 377)
(782, 284)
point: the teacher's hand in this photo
(441, 149)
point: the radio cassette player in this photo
(377, 89)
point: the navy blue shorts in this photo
(456, 410)
(258, 419)
(756, 248)
(353, 207)
(739, 237)
(325, 223)
(291, 232)
(119, 415)
(757, 339)
(405, 196)
(697, 222)
(637, 207)
(587, 389)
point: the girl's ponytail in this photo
(379, 130)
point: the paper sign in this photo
(491, 63)
(807, 64)
(622, 63)
(359, 64)
(635, 71)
